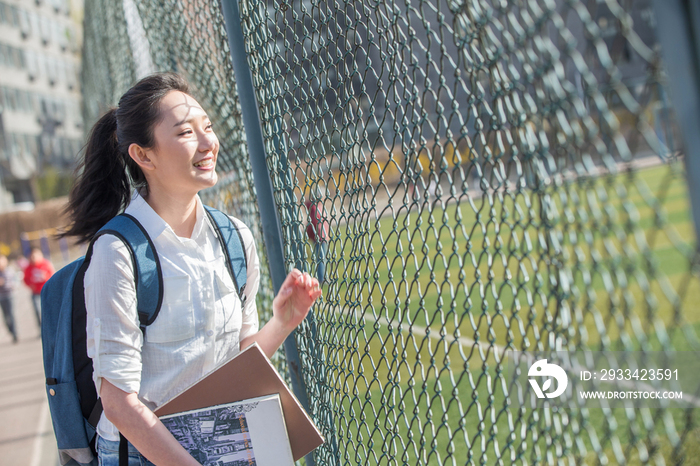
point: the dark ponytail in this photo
(107, 172)
(102, 187)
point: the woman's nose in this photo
(207, 142)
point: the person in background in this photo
(317, 231)
(6, 288)
(36, 274)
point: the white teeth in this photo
(204, 163)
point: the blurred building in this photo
(41, 128)
(346, 60)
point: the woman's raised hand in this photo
(296, 296)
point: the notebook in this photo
(250, 374)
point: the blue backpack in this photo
(73, 401)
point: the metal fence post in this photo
(678, 26)
(272, 229)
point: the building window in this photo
(71, 76)
(60, 6)
(11, 99)
(22, 101)
(14, 16)
(31, 144)
(32, 64)
(52, 70)
(60, 36)
(4, 55)
(45, 29)
(13, 144)
(17, 58)
(25, 26)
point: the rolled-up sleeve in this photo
(250, 310)
(114, 338)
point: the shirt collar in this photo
(154, 224)
(200, 223)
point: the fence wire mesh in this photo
(467, 177)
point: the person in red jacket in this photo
(36, 274)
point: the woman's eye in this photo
(186, 132)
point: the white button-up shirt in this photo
(200, 323)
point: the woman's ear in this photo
(141, 156)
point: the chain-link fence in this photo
(467, 177)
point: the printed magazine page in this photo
(245, 433)
(262, 379)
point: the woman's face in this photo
(186, 148)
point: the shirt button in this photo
(210, 333)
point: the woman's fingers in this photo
(298, 279)
(305, 280)
(290, 282)
(293, 277)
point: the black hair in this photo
(106, 173)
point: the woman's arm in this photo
(289, 308)
(114, 342)
(142, 427)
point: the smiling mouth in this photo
(206, 163)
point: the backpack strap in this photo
(232, 244)
(147, 271)
(148, 279)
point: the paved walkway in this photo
(26, 434)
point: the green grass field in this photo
(605, 264)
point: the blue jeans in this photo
(36, 301)
(108, 454)
(6, 305)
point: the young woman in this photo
(161, 140)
